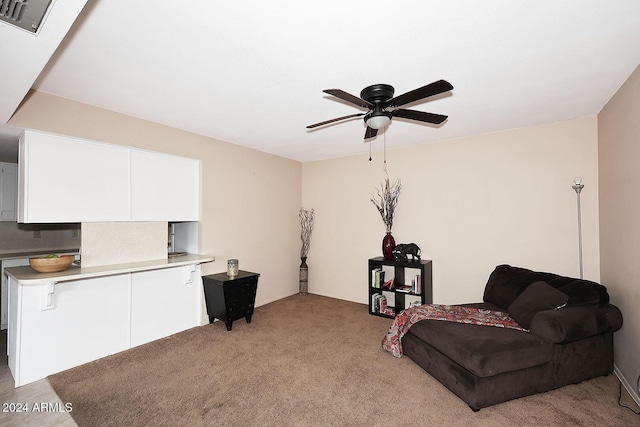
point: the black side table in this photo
(230, 298)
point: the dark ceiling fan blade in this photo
(436, 119)
(420, 93)
(370, 133)
(335, 120)
(349, 98)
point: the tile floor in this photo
(30, 396)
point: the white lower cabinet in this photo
(53, 327)
(164, 302)
(90, 320)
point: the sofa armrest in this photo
(570, 324)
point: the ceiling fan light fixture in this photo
(378, 121)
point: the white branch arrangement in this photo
(388, 200)
(306, 222)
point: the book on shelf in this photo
(412, 301)
(374, 302)
(416, 284)
(388, 284)
(377, 278)
(379, 303)
(404, 288)
(382, 304)
(374, 274)
(389, 270)
(391, 298)
(390, 311)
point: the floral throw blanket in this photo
(392, 342)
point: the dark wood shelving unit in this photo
(426, 286)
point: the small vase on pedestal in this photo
(304, 277)
(388, 243)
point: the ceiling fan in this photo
(383, 106)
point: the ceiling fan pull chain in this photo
(369, 151)
(384, 141)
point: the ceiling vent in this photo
(25, 14)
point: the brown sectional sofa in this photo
(570, 339)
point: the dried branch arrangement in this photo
(306, 222)
(387, 200)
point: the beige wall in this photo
(619, 157)
(469, 203)
(249, 199)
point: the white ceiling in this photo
(252, 72)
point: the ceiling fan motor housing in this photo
(377, 94)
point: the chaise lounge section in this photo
(568, 338)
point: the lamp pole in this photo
(578, 186)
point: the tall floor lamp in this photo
(578, 186)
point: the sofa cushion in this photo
(484, 350)
(576, 323)
(506, 283)
(581, 292)
(537, 297)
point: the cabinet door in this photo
(69, 180)
(164, 187)
(164, 302)
(90, 320)
(8, 191)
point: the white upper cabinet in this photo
(164, 187)
(64, 179)
(8, 191)
(68, 180)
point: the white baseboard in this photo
(633, 392)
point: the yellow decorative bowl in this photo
(51, 265)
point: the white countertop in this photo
(28, 276)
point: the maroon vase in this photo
(388, 243)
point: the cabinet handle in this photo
(191, 272)
(47, 301)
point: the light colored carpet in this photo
(303, 361)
